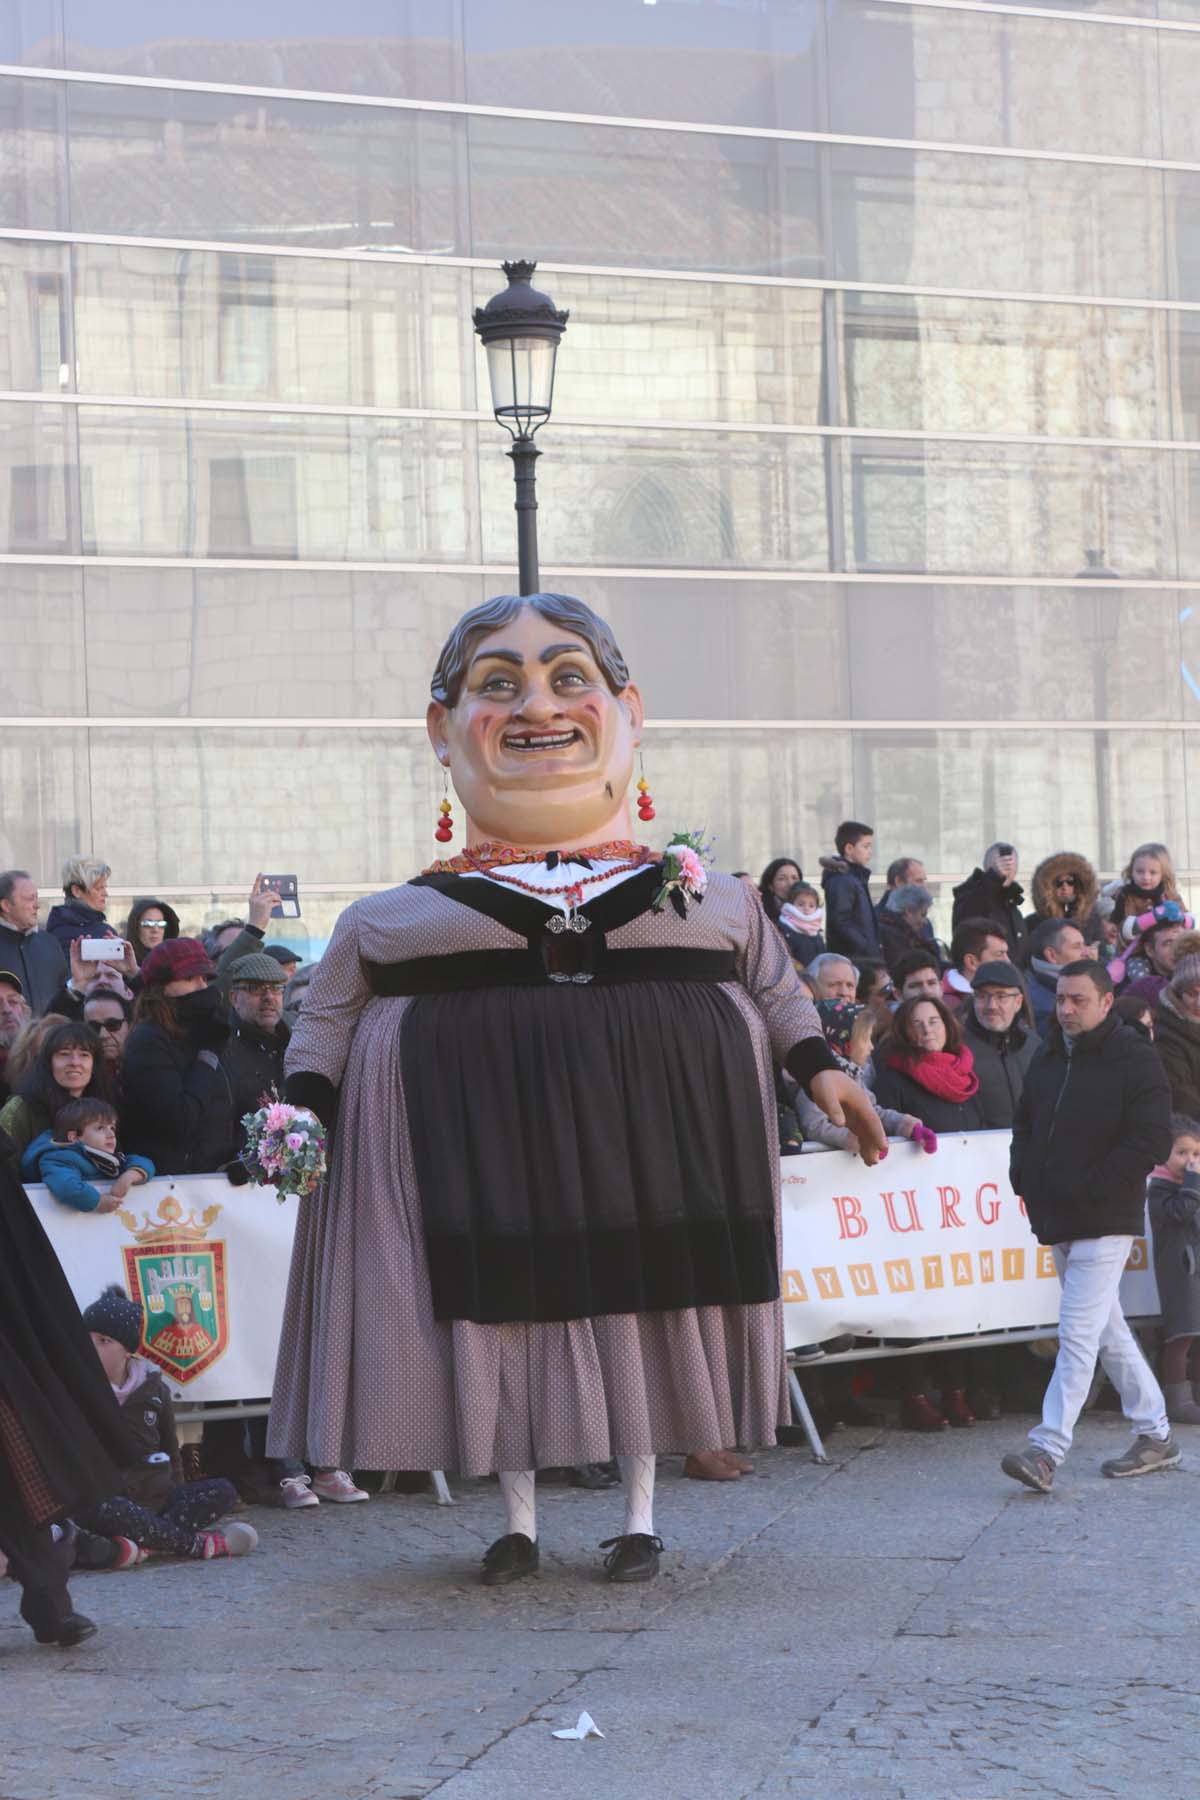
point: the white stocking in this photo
(518, 1490)
(637, 1478)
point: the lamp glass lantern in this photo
(520, 329)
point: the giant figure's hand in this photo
(846, 1103)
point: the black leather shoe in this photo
(594, 1476)
(68, 1632)
(508, 1559)
(632, 1558)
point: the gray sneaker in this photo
(1145, 1456)
(1034, 1467)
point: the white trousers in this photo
(1091, 1323)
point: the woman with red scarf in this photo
(923, 1067)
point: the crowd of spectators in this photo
(169, 1042)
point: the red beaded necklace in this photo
(484, 859)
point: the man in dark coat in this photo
(851, 927)
(31, 955)
(62, 1438)
(253, 1057)
(993, 892)
(1092, 1121)
(1002, 1041)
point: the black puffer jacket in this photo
(1089, 1128)
(253, 1064)
(983, 895)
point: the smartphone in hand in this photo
(288, 889)
(102, 950)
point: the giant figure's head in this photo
(536, 720)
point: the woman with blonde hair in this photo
(1148, 879)
(85, 896)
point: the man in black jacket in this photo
(31, 955)
(1092, 1121)
(253, 1057)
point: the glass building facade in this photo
(876, 430)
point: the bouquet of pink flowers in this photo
(285, 1148)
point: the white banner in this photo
(921, 1246)
(208, 1262)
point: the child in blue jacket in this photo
(81, 1150)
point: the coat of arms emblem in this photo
(179, 1278)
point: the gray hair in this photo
(558, 609)
(991, 855)
(83, 872)
(908, 898)
(820, 963)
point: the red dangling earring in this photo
(444, 830)
(645, 805)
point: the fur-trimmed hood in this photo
(1046, 903)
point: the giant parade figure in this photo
(550, 1229)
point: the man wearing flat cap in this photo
(997, 1025)
(253, 1057)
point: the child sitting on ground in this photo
(1173, 1201)
(156, 1511)
(81, 1150)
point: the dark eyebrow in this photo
(514, 656)
(553, 650)
(509, 656)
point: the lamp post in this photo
(520, 330)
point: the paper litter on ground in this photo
(585, 1728)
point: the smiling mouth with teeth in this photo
(545, 740)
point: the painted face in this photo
(1147, 872)
(72, 1068)
(1185, 1156)
(928, 1027)
(539, 748)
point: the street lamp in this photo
(520, 328)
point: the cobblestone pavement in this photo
(902, 1624)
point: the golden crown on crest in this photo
(170, 1222)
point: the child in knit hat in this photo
(1173, 1202)
(849, 1028)
(156, 1511)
